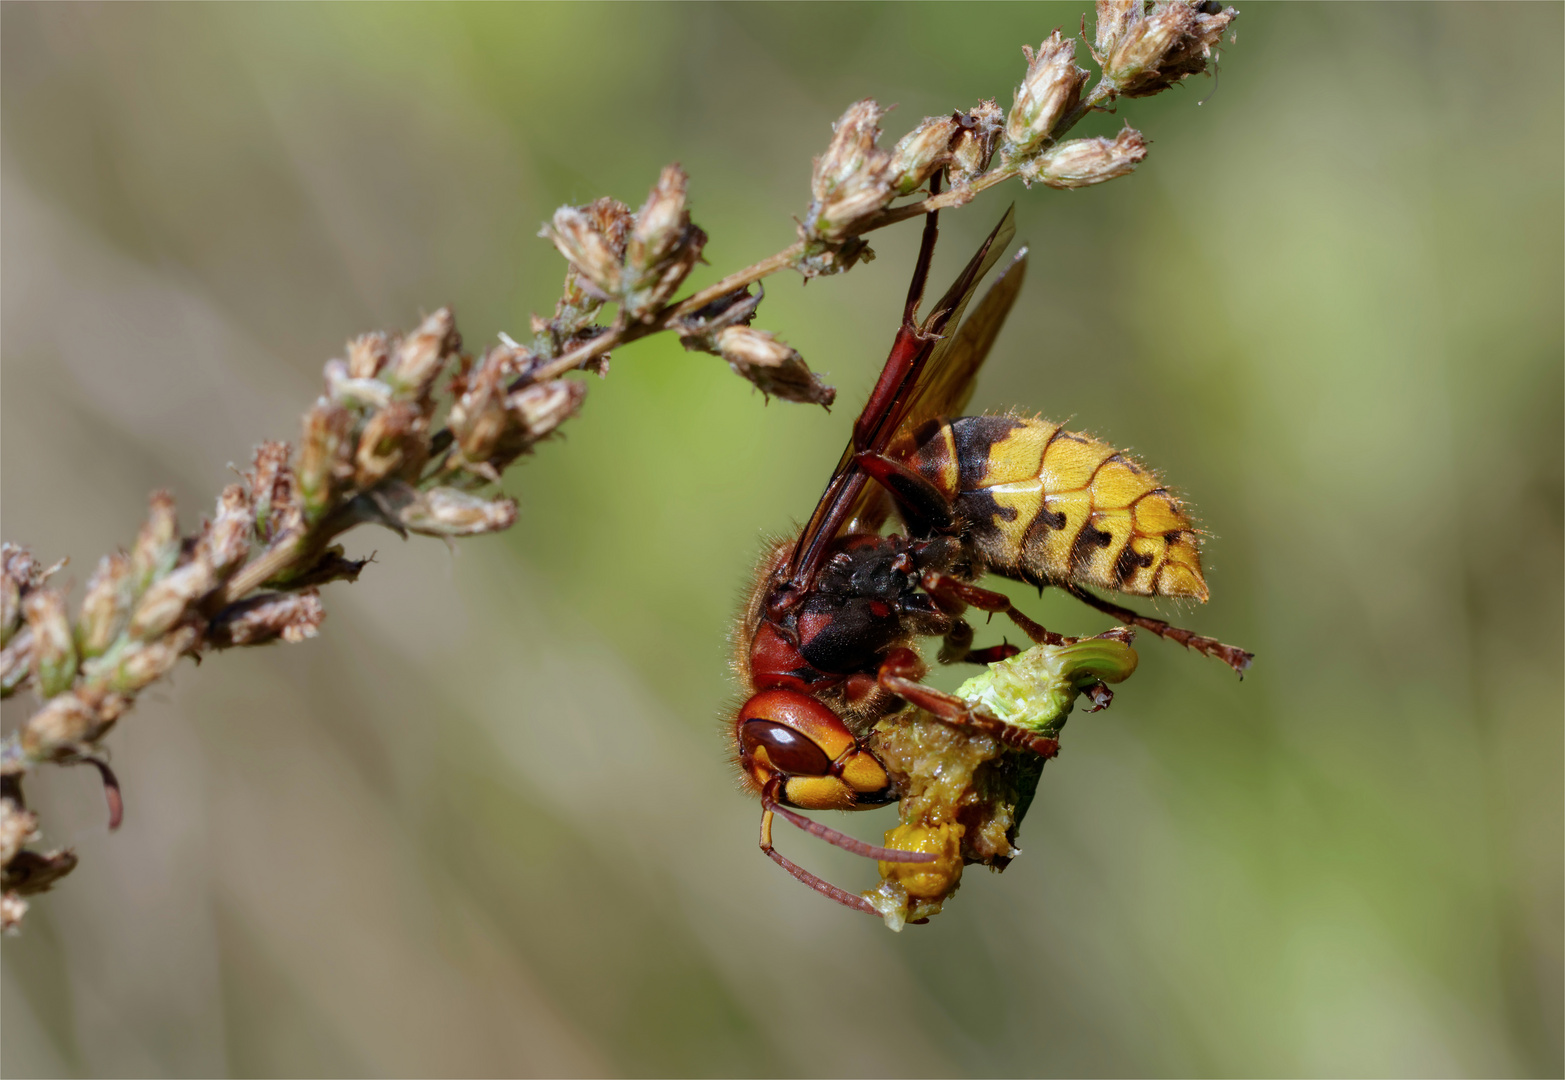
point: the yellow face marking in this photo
(818, 793)
(1100, 567)
(1158, 514)
(1018, 456)
(1119, 483)
(1077, 508)
(1070, 460)
(862, 772)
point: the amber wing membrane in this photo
(948, 379)
(1050, 506)
(849, 504)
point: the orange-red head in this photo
(793, 736)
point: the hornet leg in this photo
(1232, 655)
(899, 673)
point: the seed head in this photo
(16, 662)
(852, 179)
(592, 237)
(18, 828)
(291, 616)
(106, 605)
(1083, 162)
(227, 542)
(1113, 18)
(325, 457)
(974, 146)
(143, 663)
(542, 407)
(772, 366)
(157, 545)
(477, 419)
(422, 355)
(920, 153)
(63, 724)
(1170, 42)
(54, 648)
(367, 354)
(1051, 89)
(168, 598)
(445, 511)
(18, 573)
(392, 440)
(272, 490)
(660, 223)
(342, 387)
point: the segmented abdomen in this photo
(1047, 505)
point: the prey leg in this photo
(900, 672)
(1235, 657)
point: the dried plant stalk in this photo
(412, 433)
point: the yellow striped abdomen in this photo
(1045, 505)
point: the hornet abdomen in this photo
(1045, 505)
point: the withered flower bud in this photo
(772, 366)
(325, 454)
(477, 420)
(227, 543)
(18, 827)
(12, 909)
(920, 153)
(277, 510)
(542, 407)
(392, 439)
(54, 648)
(106, 605)
(291, 616)
(64, 723)
(16, 662)
(661, 222)
(157, 545)
(852, 179)
(144, 663)
(422, 355)
(367, 354)
(1170, 42)
(166, 601)
(974, 146)
(354, 393)
(444, 511)
(18, 573)
(1113, 18)
(1051, 89)
(1083, 162)
(579, 233)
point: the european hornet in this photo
(825, 645)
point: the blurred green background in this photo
(484, 825)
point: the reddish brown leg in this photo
(945, 587)
(899, 672)
(111, 788)
(1232, 655)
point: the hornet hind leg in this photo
(1235, 657)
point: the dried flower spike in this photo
(920, 153)
(975, 144)
(53, 647)
(852, 179)
(1051, 89)
(106, 605)
(1083, 162)
(1171, 41)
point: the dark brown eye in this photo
(789, 752)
